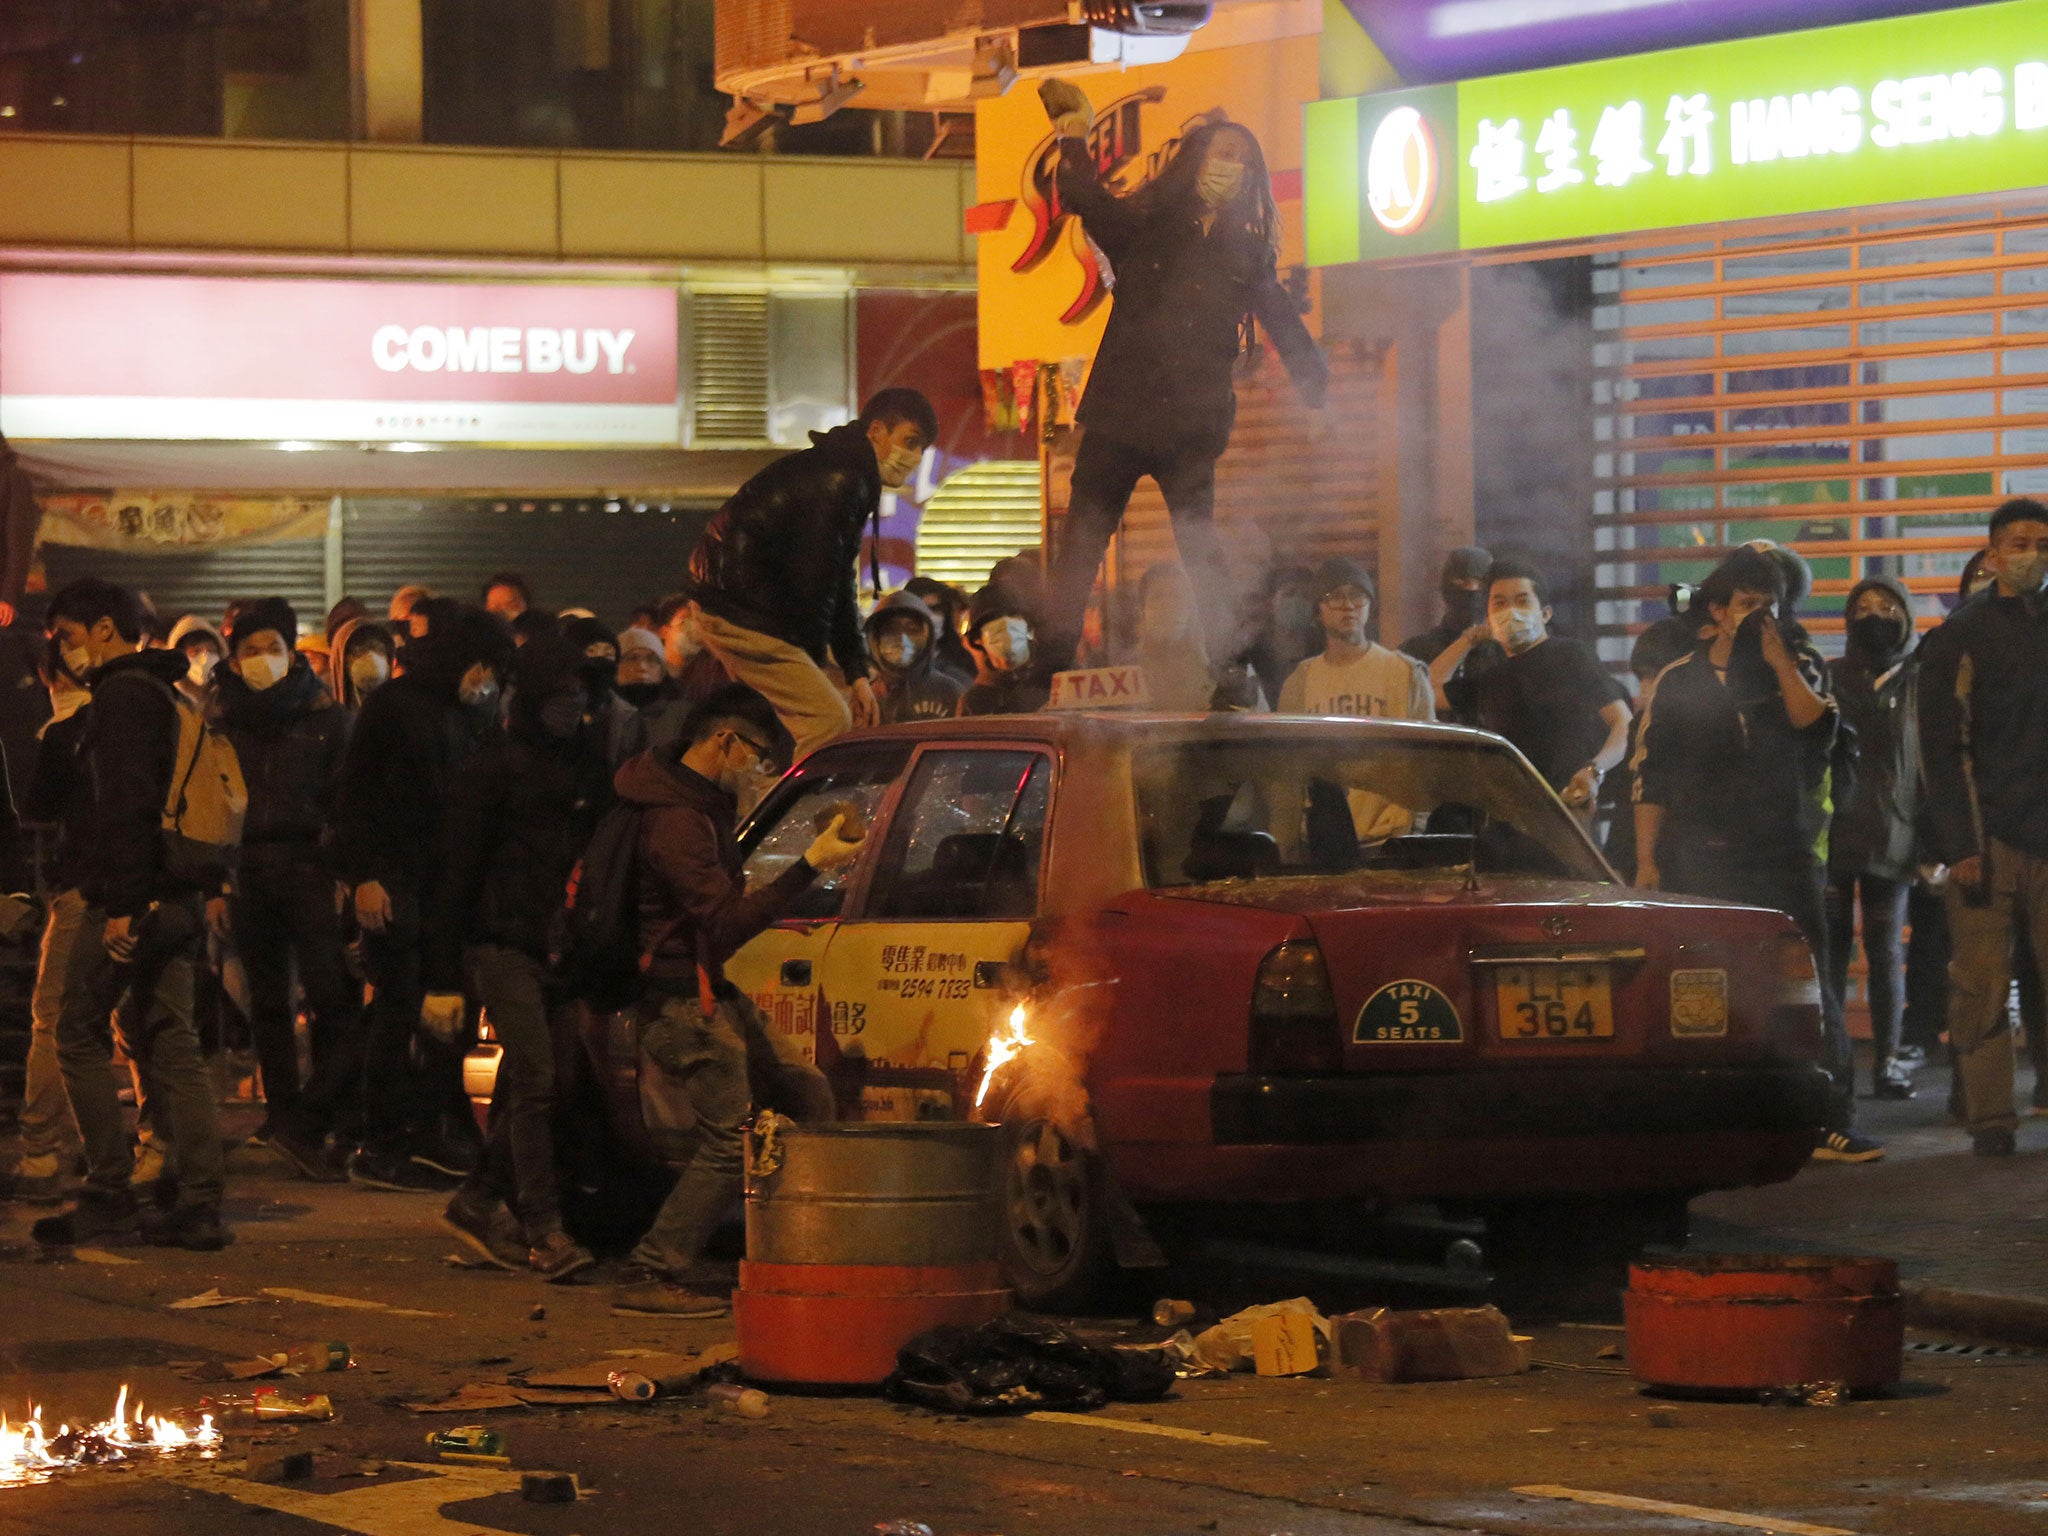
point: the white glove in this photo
(1067, 105)
(441, 1016)
(829, 850)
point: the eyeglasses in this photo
(760, 747)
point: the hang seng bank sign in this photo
(1943, 105)
(206, 358)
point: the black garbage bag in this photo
(1019, 1364)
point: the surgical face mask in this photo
(898, 650)
(1881, 634)
(1219, 180)
(562, 716)
(2024, 570)
(738, 778)
(480, 696)
(1515, 628)
(1008, 643)
(200, 668)
(77, 661)
(369, 672)
(899, 465)
(263, 670)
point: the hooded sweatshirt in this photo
(695, 908)
(290, 738)
(1878, 693)
(920, 691)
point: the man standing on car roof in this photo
(695, 911)
(1728, 766)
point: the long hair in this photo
(1253, 210)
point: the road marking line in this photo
(101, 1256)
(1699, 1512)
(350, 1303)
(1170, 1431)
(386, 1509)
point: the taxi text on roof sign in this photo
(1942, 105)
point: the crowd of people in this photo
(382, 825)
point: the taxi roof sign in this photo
(1099, 688)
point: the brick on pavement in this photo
(1950, 1218)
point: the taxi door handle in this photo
(796, 973)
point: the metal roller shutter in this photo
(205, 583)
(575, 554)
(1864, 393)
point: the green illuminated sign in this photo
(1939, 105)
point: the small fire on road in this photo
(31, 1454)
(1004, 1049)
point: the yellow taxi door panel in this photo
(781, 968)
(911, 985)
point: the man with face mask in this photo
(1983, 696)
(290, 737)
(408, 747)
(1463, 587)
(522, 809)
(202, 650)
(909, 685)
(773, 576)
(695, 911)
(1548, 695)
(138, 935)
(1727, 768)
(1011, 678)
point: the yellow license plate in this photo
(1554, 1002)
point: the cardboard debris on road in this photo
(1293, 1331)
(574, 1386)
(474, 1397)
(1442, 1344)
(206, 1299)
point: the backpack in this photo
(597, 945)
(206, 800)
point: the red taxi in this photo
(1269, 962)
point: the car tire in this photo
(1053, 1240)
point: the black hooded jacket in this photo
(1873, 829)
(290, 739)
(409, 741)
(129, 749)
(1983, 697)
(519, 815)
(1162, 376)
(778, 558)
(920, 691)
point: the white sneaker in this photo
(149, 1165)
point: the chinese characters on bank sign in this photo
(1918, 107)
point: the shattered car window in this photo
(1238, 810)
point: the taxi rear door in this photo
(913, 979)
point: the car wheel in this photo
(1052, 1240)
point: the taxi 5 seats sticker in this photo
(1407, 1013)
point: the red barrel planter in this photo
(1749, 1322)
(842, 1324)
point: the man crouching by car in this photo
(695, 911)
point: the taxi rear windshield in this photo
(1251, 810)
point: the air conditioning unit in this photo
(805, 59)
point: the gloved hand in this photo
(1067, 105)
(829, 850)
(441, 1016)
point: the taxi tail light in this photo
(1294, 1013)
(1796, 1026)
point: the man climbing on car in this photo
(695, 911)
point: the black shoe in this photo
(1997, 1142)
(196, 1227)
(395, 1171)
(491, 1233)
(450, 1155)
(307, 1158)
(559, 1257)
(95, 1216)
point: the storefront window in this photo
(260, 69)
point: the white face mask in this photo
(200, 668)
(898, 651)
(480, 695)
(1219, 181)
(899, 466)
(1514, 629)
(369, 671)
(264, 670)
(1008, 642)
(77, 661)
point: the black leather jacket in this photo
(779, 556)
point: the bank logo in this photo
(1402, 170)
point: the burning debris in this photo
(30, 1454)
(1004, 1049)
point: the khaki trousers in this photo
(810, 708)
(1980, 977)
